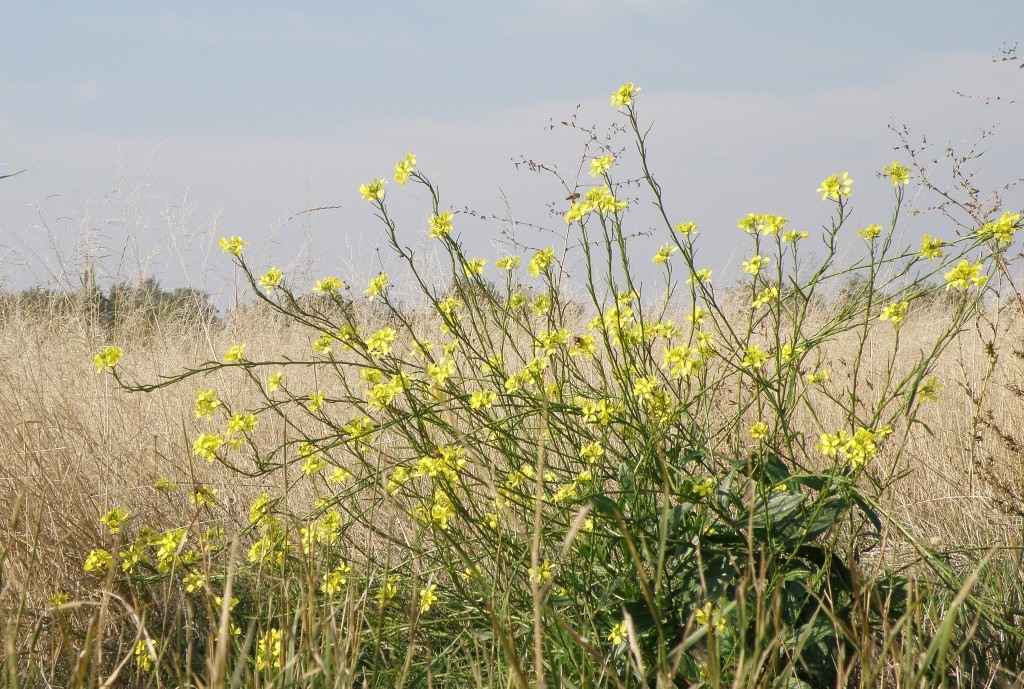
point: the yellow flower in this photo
(113, 519)
(143, 655)
(664, 253)
(388, 589)
(542, 574)
(97, 560)
(711, 617)
(482, 399)
(541, 305)
(1001, 230)
(753, 266)
(428, 597)
(583, 346)
(440, 225)
(766, 297)
(701, 276)
(508, 263)
(203, 496)
(274, 381)
(541, 260)
(895, 312)
(272, 278)
(753, 357)
(206, 403)
(165, 485)
(404, 168)
(206, 446)
(682, 361)
(232, 246)
(599, 166)
(817, 377)
(618, 633)
(898, 173)
(340, 475)
(399, 475)
(963, 274)
(789, 352)
(474, 266)
(235, 354)
(268, 650)
(624, 96)
(870, 232)
(376, 286)
(931, 247)
(374, 191)
(334, 580)
(835, 186)
(793, 235)
(759, 431)
(764, 223)
(329, 285)
(316, 400)
(59, 598)
(107, 358)
(686, 228)
(929, 390)
(379, 344)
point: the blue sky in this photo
(148, 129)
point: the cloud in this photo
(87, 90)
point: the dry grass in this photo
(74, 445)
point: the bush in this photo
(659, 493)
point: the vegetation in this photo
(699, 487)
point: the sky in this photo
(146, 131)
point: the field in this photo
(810, 477)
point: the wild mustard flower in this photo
(696, 316)
(664, 253)
(578, 211)
(97, 560)
(474, 266)
(322, 344)
(374, 191)
(482, 399)
(203, 496)
(379, 343)
(114, 518)
(596, 412)
(817, 377)
(376, 286)
(753, 266)
(274, 381)
(334, 580)
(194, 581)
(591, 452)
(794, 235)
(788, 352)
(699, 277)
(404, 169)
(59, 598)
(835, 187)
(399, 475)
(541, 304)
(541, 260)
(232, 246)
(1001, 230)
(242, 423)
(359, 431)
(542, 573)
(388, 589)
(929, 390)
(624, 96)
(767, 296)
(271, 279)
(764, 223)
(869, 233)
(618, 634)
(235, 354)
(931, 248)
(686, 228)
(165, 485)
(206, 446)
(754, 357)
(759, 431)
(602, 199)
(107, 358)
(268, 650)
(340, 475)
(704, 488)
(710, 616)
(143, 655)
(600, 166)
(206, 404)
(315, 400)
(895, 312)
(583, 346)
(508, 263)
(681, 361)
(440, 224)
(329, 285)
(898, 173)
(964, 275)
